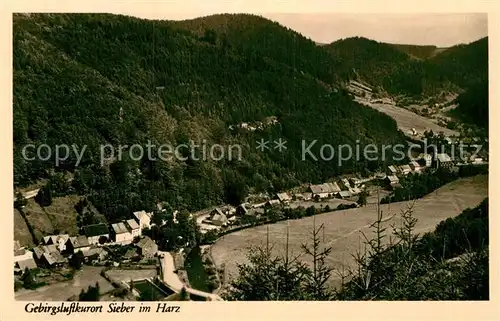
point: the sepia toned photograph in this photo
(249, 157)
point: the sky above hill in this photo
(442, 30)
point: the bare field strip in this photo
(119, 275)
(407, 120)
(343, 228)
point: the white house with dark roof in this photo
(133, 227)
(78, 243)
(121, 234)
(443, 161)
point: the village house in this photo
(22, 265)
(20, 252)
(345, 194)
(355, 191)
(345, 184)
(77, 243)
(58, 240)
(298, 197)
(284, 198)
(415, 166)
(121, 234)
(256, 212)
(241, 210)
(392, 170)
(355, 181)
(54, 259)
(229, 210)
(219, 219)
(325, 190)
(443, 161)
(40, 250)
(23, 258)
(143, 218)
(96, 254)
(96, 233)
(147, 248)
(427, 159)
(393, 180)
(272, 203)
(307, 196)
(133, 227)
(405, 169)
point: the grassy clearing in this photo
(59, 216)
(343, 228)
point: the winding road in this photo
(171, 279)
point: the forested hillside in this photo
(395, 69)
(91, 79)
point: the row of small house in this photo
(54, 248)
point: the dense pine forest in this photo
(75, 75)
(395, 70)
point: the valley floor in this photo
(343, 228)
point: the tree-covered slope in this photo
(91, 79)
(394, 68)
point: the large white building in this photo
(121, 233)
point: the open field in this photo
(343, 228)
(407, 120)
(89, 275)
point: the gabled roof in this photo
(415, 164)
(345, 193)
(393, 178)
(96, 230)
(405, 168)
(443, 158)
(119, 228)
(283, 197)
(95, 251)
(18, 250)
(216, 211)
(79, 241)
(219, 218)
(243, 207)
(54, 257)
(141, 214)
(320, 188)
(146, 242)
(52, 239)
(133, 224)
(393, 169)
